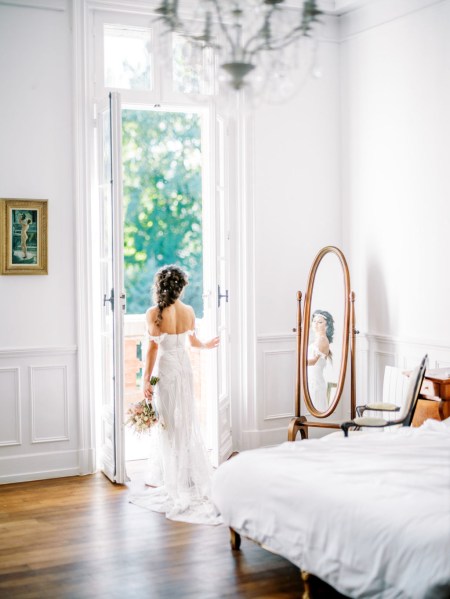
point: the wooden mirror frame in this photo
(307, 327)
(299, 423)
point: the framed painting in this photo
(24, 237)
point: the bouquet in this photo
(141, 416)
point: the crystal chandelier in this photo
(244, 34)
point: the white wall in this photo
(396, 188)
(36, 163)
(295, 189)
(296, 192)
(38, 398)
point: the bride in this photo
(183, 462)
(319, 355)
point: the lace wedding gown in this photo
(179, 461)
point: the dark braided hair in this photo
(169, 282)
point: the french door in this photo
(216, 279)
(222, 439)
(112, 294)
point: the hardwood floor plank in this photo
(80, 538)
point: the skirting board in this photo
(267, 438)
(23, 468)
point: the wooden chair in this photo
(412, 396)
(395, 389)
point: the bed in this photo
(369, 515)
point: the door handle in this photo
(221, 295)
(109, 299)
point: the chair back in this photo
(412, 395)
(395, 388)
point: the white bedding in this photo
(369, 514)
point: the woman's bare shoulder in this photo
(190, 309)
(323, 345)
(150, 317)
(151, 312)
(187, 312)
(186, 307)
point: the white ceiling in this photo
(342, 6)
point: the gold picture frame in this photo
(23, 226)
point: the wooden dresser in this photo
(434, 398)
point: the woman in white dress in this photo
(185, 468)
(318, 354)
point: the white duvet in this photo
(369, 514)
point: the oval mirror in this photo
(325, 333)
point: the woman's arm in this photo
(321, 349)
(314, 360)
(152, 352)
(211, 344)
(150, 360)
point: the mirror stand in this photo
(300, 423)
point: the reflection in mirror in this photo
(320, 359)
(325, 340)
(326, 332)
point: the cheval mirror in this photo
(323, 343)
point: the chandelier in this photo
(244, 34)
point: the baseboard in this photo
(252, 439)
(39, 466)
(43, 475)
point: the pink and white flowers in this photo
(141, 416)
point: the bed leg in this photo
(235, 540)
(305, 580)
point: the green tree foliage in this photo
(162, 199)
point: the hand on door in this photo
(212, 343)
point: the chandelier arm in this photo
(257, 35)
(292, 37)
(222, 25)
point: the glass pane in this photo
(192, 67)
(127, 57)
(162, 194)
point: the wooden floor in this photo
(80, 538)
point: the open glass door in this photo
(112, 290)
(223, 445)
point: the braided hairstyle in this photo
(169, 282)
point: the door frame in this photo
(242, 325)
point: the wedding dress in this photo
(179, 459)
(316, 379)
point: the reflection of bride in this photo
(318, 354)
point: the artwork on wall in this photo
(23, 237)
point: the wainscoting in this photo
(38, 408)
(275, 380)
(273, 404)
(39, 421)
(375, 352)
